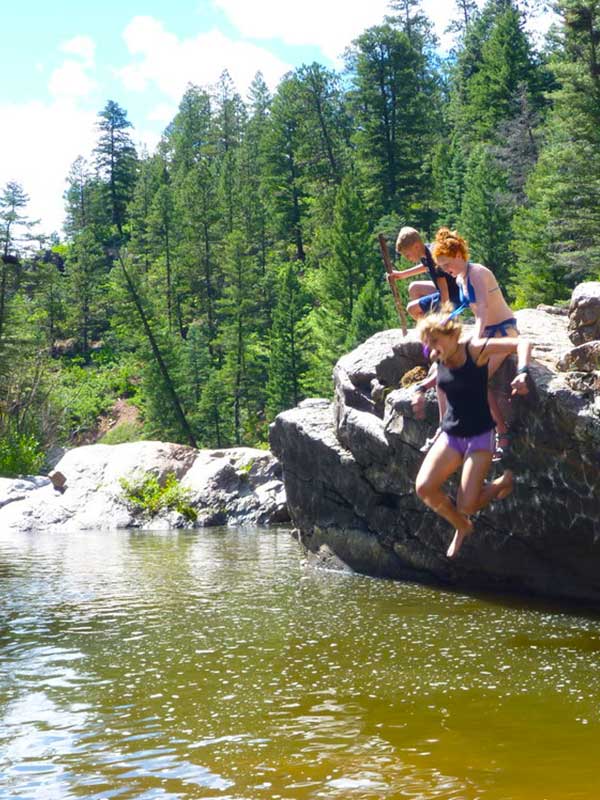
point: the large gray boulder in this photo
(350, 467)
(584, 313)
(225, 487)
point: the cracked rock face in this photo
(350, 467)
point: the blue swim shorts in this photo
(431, 302)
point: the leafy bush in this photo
(20, 454)
(83, 393)
(144, 492)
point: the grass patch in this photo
(122, 433)
(144, 493)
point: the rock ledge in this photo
(350, 466)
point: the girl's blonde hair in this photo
(451, 244)
(439, 322)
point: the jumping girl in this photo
(467, 437)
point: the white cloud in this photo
(169, 63)
(163, 112)
(328, 24)
(82, 46)
(71, 80)
(146, 140)
(331, 25)
(37, 148)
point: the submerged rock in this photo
(350, 467)
(225, 487)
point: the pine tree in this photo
(352, 261)
(393, 100)
(449, 175)
(288, 361)
(14, 240)
(252, 168)
(284, 181)
(494, 65)
(138, 211)
(116, 161)
(557, 237)
(197, 210)
(485, 217)
(86, 273)
(191, 135)
(243, 371)
(466, 11)
(337, 284)
(369, 315)
(325, 125)
(164, 232)
(229, 123)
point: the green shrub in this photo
(20, 454)
(144, 492)
(244, 469)
(82, 393)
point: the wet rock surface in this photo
(350, 466)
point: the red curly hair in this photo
(450, 244)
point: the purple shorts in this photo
(465, 445)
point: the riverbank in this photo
(237, 486)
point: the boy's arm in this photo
(399, 275)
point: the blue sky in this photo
(35, 35)
(62, 61)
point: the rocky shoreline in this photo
(343, 472)
(237, 486)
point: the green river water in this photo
(216, 664)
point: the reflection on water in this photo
(215, 665)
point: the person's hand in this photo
(519, 384)
(392, 276)
(417, 402)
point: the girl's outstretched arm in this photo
(505, 346)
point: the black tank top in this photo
(468, 412)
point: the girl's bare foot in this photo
(505, 484)
(460, 534)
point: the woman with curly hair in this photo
(467, 438)
(479, 291)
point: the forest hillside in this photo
(213, 283)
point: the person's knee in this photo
(414, 309)
(414, 291)
(424, 488)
